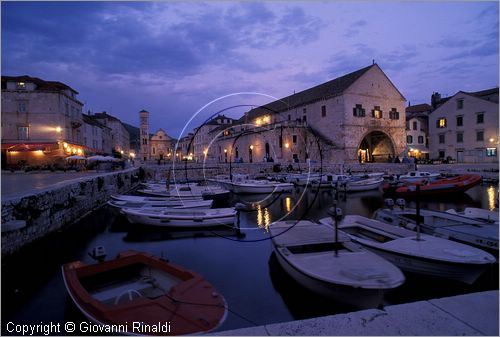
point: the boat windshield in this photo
(367, 234)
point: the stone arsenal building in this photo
(356, 117)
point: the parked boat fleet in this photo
(352, 259)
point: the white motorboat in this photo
(150, 200)
(477, 213)
(187, 192)
(260, 186)
(418, 175)
(356, 184)
(177, 204)
(181, 217)
(474, 232)
(427, 255)
(341, 270)
(302, 179)
(328, 180)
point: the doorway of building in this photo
(250, 159)
(376, 146)
(460, 156)
(267, 152)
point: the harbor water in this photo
(240, 264)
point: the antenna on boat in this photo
(418, 212)
(336, 214)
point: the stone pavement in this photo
(471, 314)
(15, 185)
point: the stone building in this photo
(203, 135)
(120, 137)
(464, 127)
(356, 117)
(417, 130)
(96, 136)
(41, 121)
(161, 146)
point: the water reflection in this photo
(263, 218)
(491, 197)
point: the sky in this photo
(185, 61)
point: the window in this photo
(407, 125)
(20, 85)
(289, 117)
(304, 118)
(420, 139)
(23, 132)
(358, 111)
(441, 123)
(460, 120)
(409, 139)
(294, 139)
(460, 137)
(480, 118)
(460, 103)
(394, 114)
(480, 136)
(441, 153)
(491, 152)
(153, 150)
(280, 142)
(66, 106)
(304, 111)
(376, 112)
(415, 125)
(441, 138)
(323, 111)
(22, 106)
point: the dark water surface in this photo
(242, 268)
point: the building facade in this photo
(41, 121)
(356, 117)
(161, 146)
(120, 137)
(203, 136)
(464, 127)
(417, 130)
(96, 136)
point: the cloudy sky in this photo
(176, 58)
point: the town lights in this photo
(58, 129)
(133, 154)
(65, 145)
(492, 140)
(287, 145)
(225, 150)
(251, 147)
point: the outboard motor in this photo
(98, 253)
(389, 203)
(401, 203)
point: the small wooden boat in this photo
(479, 233)
(341, 270)
(477, 213)
(356, 184)
(426, 255)
(414, 176)
(137, 291)
(176, 204)
(442, 186)
(181, 217)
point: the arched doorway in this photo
(376, 146)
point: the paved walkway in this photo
(472, 315)
(15, 185)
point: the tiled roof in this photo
(323, 91)
(418, 108)
(41, 84)
(105, 115)
(484, 92)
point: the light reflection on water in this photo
(491, 198)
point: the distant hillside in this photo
(135, 142)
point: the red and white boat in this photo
(138, 293)
(456, 184)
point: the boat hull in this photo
(355, 297)
(179, 220)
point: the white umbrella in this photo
(75, 157)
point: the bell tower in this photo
(144, 135)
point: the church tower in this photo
(144, 127)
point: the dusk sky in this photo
(173, 58)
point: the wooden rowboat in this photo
(142, 294)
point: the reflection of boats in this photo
(450, 226)
(151, 234)
(138, 287)
(427, 255)
(356, 184)
(341, 269)
(413, 176)
(181, 217)
(477, 213)
(178, 204)
(438, 187)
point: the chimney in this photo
(435, 99)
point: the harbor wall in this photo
(31, 217)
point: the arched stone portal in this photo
(376, 146)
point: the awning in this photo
(23, 147)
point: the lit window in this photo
(21, 85)
(441, 123)
(491, 152)
(376, 112)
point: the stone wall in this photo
(49, 210)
